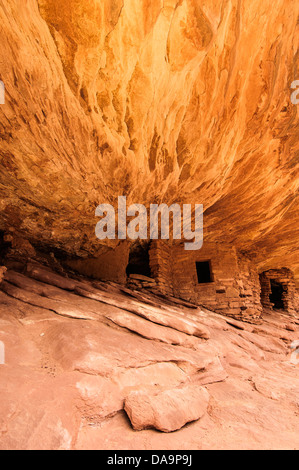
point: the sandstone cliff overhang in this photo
(180, 101)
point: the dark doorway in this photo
(277, 291)
(139, 259)
(204, 272)
(4, 245)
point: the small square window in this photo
(204, 272)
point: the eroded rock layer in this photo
(161, 101)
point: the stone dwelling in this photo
(222, 279)
(217, 277)
(278, 289)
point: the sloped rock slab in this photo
(162, 317)
(49, 277)
(150, 330)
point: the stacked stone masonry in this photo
(161, 265)
(139, 282)
(289, 294)
(234, 288)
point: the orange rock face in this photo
(161, 101)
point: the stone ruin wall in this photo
(290, 295)
(234, 290)
(160, 259)
(250, 288)
(109, 266)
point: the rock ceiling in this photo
(162, 101)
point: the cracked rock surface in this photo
(81, 372)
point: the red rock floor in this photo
(75, 349)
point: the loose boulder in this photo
(167, 411)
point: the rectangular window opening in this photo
(204, 272)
